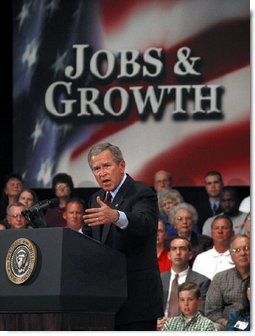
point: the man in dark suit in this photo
(180, 253)
(128, 224)
(209, 205)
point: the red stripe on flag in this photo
(224, 149)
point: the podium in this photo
(73, 282)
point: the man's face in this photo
(73, 215)
(13, 187)
(228, 203)
(162, 180)
(213, 185)
(221, 231)
(240, 252)
(62, 189)
(179, 252)
(15, 218)
(188, 303)
(107, 172)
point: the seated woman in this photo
(29, 198)
(167, 198)
(240, 320)
(164, 262)
(184, 217)
(62, 185)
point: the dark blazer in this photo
(202, 281)
(138, 243)
(204, 211)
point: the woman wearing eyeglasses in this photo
(184, 217)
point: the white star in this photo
(23, 14)
(38, 132)
(30, 54)
(45, 173)
(59, 64)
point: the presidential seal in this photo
(21, 260)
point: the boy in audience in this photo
(190, 318)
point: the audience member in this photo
(62, 185)
(2, 227)
(29, 198)
(218, 258)
(73, 213)
(12, 187)
(184, 217)
(180, 254)
(129, 224)
(240, 320)
(226, 289)
(167, 198)
(229, 201)
(164, 261)
(190, 319)
(245, 205)
(15, 217)
(162, 179)
(209, 205)
(247, 225)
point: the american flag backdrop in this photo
(217, 31)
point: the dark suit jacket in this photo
(202, 281)
(138, 243)
(204, 211)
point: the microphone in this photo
(42, 205)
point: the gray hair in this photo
(99, 148)
(165, 194)
(236, 236)
(16, 204)
(186, 206)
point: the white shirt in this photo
(211, 262)
(181, 279)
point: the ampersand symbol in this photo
(185, 65)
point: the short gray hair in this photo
(99, 148)
(186, 206)
(165, 194)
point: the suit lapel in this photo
(116, 202)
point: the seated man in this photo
(180, 254)
(225, 292)
(15, 217)
(229, 202)
(73, 213)
(162, 179)
(218, 258)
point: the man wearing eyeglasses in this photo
(15, 217)
(225, 292)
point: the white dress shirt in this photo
(181, 279)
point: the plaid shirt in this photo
(224, 294)
(196, 323)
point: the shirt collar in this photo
(217, 254)
(114, 192)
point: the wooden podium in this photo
(76, 282)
